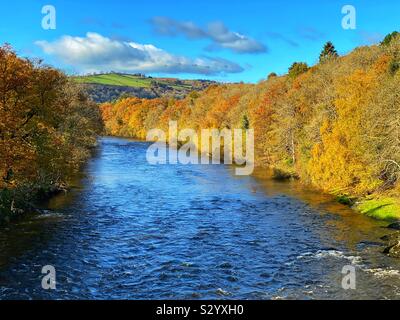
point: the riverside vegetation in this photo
(47, 128)
(335, 125)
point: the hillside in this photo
(334, 126)
(111, 86)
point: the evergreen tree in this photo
(328, 52)
(388, 39)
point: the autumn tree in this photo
(47, 126)
(342, 161)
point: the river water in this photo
(131, 230)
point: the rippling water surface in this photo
(137, 231)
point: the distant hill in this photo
(111, 86)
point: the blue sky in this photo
(224, 40)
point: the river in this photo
(131, 230)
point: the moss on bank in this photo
(345, 199)
(383, 208)
(380, 207)
(287, 173)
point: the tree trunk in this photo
(293, 148)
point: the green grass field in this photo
(109, 86)
(116, 80)
(127, 80)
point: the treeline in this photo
(101, 93)
(335, 125)
(47, 128)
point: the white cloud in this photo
(95, 53)
(170, 27)
(217, 32)
(232, 40)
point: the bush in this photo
(297, 69)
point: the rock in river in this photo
(394, 225)
(393, 241)
(394, 250)
(392, 238)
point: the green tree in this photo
(388, 39)
(297, 69)
(328, 52)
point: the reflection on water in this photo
(137, 231)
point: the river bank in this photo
(384, 206)
(31, 200)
